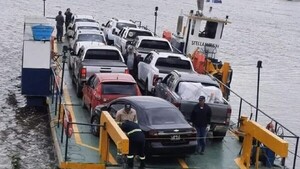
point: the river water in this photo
(266, 30)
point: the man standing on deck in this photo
(127, 113)
(200, 118)
(68, 15)
(59, 26)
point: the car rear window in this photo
(121, 25)
(91, 37)
(173, 62)
(84, 20)
(154, 44)
(119, 88)
(132, 34)
(98, 54)
(88, 27)
(164, 116)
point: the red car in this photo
(101, 88)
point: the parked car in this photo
(82, 26)
(101, 88)
(113, 26)
(93, 59)
(157, 65)
(165, 129)
(87, 36)
(127, 35)
(183, 90)
(81, 18)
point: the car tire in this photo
(83, 103)
(146, 88)
(78, 90)
(95, 129)
(219, 136)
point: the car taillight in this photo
(228, 115)
(176, 104)
(126, 71)
(155, 79)
(83, 72)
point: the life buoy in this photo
(68, 119)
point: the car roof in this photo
(195, 77)
(101, 47)
(76, 16)
(96, 24)
(89, 31)
(148, 102)
(167, 54)
(137, 29)
(151, 38)
(115, 77)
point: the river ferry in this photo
(46, 81)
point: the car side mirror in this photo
(103, 25)
(101, 29)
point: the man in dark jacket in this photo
(200, 118)
(136, 142)
(68, 14)
(59, 26)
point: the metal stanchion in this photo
(44, 7)
(259, 65)
(155, 15)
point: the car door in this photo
(95, 92)
(143, 67)
(161, 87)
(117, 41)
(86, 91)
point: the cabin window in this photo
(208, 29)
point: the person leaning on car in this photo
(126, 113)
(136, 142)
(200, 118)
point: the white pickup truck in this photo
(95, 59)
(157, 65)
(127, 35)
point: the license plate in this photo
(175, 137)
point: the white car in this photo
(82, 26)
(88, 36)
(157, 65)
(81, 18)
(113, 27)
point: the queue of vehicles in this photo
(102, 79)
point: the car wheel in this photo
(146, 88)
(83, 103)
(219, 136)
(78, 90)
(95, 129)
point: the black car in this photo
(166, 130)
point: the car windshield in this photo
(90, 37)
(174, 63)
(101, 54)
(154, 44)
(119, 88)
(134, 33)
(84, 20)
(121, 25)
(164, 116)
(88, 27)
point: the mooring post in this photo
(259, 65)
(44, 7)
(155, 15)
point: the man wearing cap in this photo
(126, 113)
(200, 118)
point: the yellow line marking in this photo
(76, 134)
(78, 140)
(182, 163)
